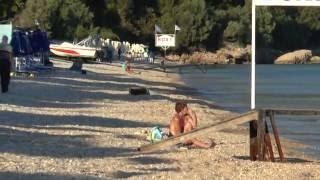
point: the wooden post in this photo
(276, 135)
(253, 139)
(261, 134)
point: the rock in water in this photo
(296, 57)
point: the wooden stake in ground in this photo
(276, 135)
(261, 133)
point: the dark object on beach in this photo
(83, 72)
(162, 65)
(77, 65)
(138, 91)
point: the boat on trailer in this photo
(66, 49)
(87, 48)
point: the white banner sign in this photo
(165, 40)
(6, 30)
(286, 2)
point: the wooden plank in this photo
(294, 111)
(251, 115)
(276, 135)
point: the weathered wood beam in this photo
(276, 136)
(249, 116)
(303, 112)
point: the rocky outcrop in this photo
(228, 55)
(315, 60)
(235, 55)
(296, 57)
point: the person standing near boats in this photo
(128, 62)
(119, 52)
(5, 63)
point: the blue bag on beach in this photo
(156, 134)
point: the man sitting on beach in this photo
(185, 120)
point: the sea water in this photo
(277, 86)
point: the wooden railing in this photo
(269, 113)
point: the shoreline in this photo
(289, 146)
(67, 125)
(294, 148)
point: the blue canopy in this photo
(21, 43)
(29, 42)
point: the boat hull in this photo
(71, 50)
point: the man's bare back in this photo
(176, 125)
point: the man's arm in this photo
(175, 128)
(193, 116)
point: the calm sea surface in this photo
(278, 86)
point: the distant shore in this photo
(237, 55)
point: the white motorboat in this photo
(85, 49)
(71, 50)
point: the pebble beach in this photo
(67, 125)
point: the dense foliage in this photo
(204, 23)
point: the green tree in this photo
(8, 8)
(192, 16)
(265, 25)
(289, 34)
(238, 27)
(195, 22)
(309, 18)
(62, 19)
(67, 16)
(231, 22)
(204, 23)
(35, 10)
(137, 19)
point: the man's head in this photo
(4, 39)
(181, 107)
